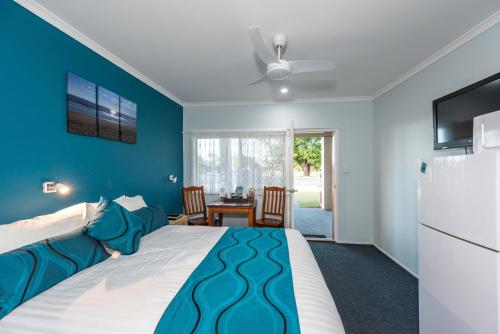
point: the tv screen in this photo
(454, 113)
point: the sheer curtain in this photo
(230, 159)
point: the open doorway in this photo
(314, 183)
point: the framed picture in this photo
(109, 114)
(128, 121)
(81, 95)
(97, 111)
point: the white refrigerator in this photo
(459, 259)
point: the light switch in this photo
(347, 170)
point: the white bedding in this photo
(129, 294)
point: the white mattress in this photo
(129, 294)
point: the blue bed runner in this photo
(244, 285)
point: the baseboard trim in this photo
(395, 260)
(354, 242)
(320, 239)
(383, 252)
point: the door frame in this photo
(335, 188)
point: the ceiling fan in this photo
(280, 69)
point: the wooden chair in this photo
(273, 205)
(194, 205)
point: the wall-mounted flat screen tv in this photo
(454, 113)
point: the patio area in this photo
(309, 218)
(313, 221)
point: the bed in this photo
(130, 294)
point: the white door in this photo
(290, 135)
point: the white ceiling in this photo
(200, 51)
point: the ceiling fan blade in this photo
(304, 66)
(260, 45)
(258, 81)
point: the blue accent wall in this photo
(35, 146)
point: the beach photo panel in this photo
(128, 121)
(81, 95)
(109, 114)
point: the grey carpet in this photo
(312, 221)
(372, 293)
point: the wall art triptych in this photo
(96, 111)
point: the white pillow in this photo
(90, 210)
(27, 231)
(131, 203)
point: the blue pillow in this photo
(116, 227)
(32, 269)
(154, 217)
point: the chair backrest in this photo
(194, 201)
(274, 202)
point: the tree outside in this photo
(307, 161)
(307, 154)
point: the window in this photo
(226, 160)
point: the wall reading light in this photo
(56, 187)
(173, 178)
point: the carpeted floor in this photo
(372, 293)
(313, 221)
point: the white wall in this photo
(355, 124)
(403, 133)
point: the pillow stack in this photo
(40, 252)
(121, 223)
(154, 217)
(116, 227)
(130, 203)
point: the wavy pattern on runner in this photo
(247, 284)
(244, 285)
(266, 293)
(224, 266)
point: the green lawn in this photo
(307, 198)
